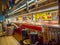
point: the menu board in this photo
(42, 16)
(46, 16)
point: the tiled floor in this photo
(8, 40)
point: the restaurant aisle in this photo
(8, 40)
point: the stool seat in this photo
(27, 41)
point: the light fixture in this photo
(15, 11)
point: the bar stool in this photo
(24, 34)
(33, 38)
(25, 37)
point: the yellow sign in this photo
(44, 16)
(20, 18)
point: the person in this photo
(54, 42)
(21, 42)
(4, 27)
(50, 42)
(58, 42)
(40, 40)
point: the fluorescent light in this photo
(20, 7)
(25, 5)
(30, 1)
